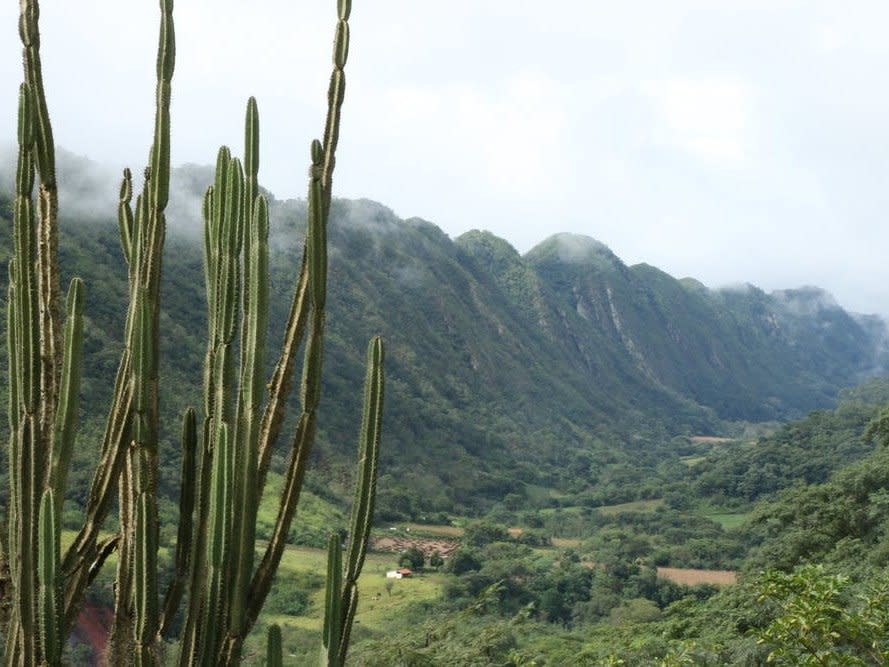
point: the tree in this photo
(412, 558)
(482, 533)
(463, 560)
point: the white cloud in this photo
(707, 118)
(744, 140)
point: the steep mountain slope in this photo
(506, 373)
(744, 353)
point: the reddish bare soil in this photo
(92, 626)
(397, 544)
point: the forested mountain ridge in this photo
(506, 373)
(744, 353)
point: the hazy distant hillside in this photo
(506, 373)
(744, 353)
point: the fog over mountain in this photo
(733, 141)
(89, 189)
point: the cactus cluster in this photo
(226, 454)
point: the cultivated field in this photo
(691, 577)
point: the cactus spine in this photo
(224, 465)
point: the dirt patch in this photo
(691, 577)
(709, 439)
(566, 542)
(92, 627)
(397, 544)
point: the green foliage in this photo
(481, 533)
(412, 558)
(806, 451)
(845, 520)
(292, 596)
(463, 560)
(816, 619)
(634, 610)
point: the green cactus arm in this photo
(302, 445)
(349, 607)
(160, 150)
(49, 293)
(26, 450)
(317, 246)
(212, 624)
(48, 555)
(73, 592)
(198, 569)
(66, 416)
(141, 363)
(12, 345)
(250, 402)
(30, 37)
(138, 517)
(293, 479)
(251, 172)
(368, 457)
(85, 549)
(121, 640)
(145, 577)
(274, 655)
(23, 538)
(362, 505)
(23, 268)
(320, 181)
(323, 164)
(145, 241)
(282, 377)
(125, 216)
(331, 633)
(223, 218)
(187, 494)
(209, 260)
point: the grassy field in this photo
(728, 520)
(432, 530)
(378, 609)
(315, 517)
(635, 506)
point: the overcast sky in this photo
(734, 142)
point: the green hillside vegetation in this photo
(814, 564)
(541, 394)
(558, 378)
(580, 585)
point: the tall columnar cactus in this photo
(39, 449)
(225, 462)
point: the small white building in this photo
(400, 573)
